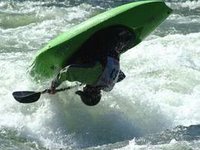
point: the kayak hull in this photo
(141, 17)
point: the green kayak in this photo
(141, 17)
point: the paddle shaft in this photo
(31, 96)
(57, 90)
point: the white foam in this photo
(171, 146)
(194, 4)
(162, 72)
(191, 4)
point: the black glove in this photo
(54, 85)
(121, 76)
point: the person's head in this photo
(90, 95)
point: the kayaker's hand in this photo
(54, 84)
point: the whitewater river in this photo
(157, 106)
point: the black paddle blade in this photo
(26, 96)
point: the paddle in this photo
(32, 96)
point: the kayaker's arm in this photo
(86, 74)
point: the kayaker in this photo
(97, 63)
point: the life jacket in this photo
(110, 74)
